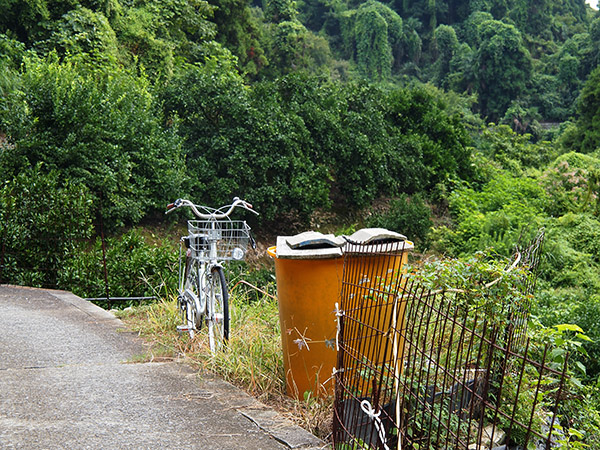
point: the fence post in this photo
(104, 263)
(2, 252)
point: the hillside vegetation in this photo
(470, 124)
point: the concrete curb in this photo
(282, 430)
(94, 311)
(265, 417)
(101, 315)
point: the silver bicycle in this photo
(202, 292)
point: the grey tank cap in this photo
(373, 235)
(322, 251)
(314, 239)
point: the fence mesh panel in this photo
(429, 370)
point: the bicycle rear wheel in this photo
(218, 310)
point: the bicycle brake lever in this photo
(173, 206)
(249, 207)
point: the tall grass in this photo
(252, 359)
(253, 356)
(157, 324)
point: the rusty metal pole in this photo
(2, 261)
(104, 263)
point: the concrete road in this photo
(66, 382)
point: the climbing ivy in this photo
(376, 33)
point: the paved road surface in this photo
(66, 383)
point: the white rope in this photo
(334, 372)
(338, 314)
(370, 411)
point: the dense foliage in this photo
(356, 140)
(519, 193)
(95, 125)
(41, 224)
(480, 117)
(133, 267)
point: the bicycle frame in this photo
(203, 295)
(204, 271)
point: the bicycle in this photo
(202, 292)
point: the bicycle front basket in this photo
(229, 236)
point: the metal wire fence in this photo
(423, 369)
(107, 271)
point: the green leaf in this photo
(584, 337)
(580, 366)
(568, 327)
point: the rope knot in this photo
(369, 410)
(374, 416)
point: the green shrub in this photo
(134, 268)
(514, 151)
(570, 273)
(572, 182)
(506, 210)
(41, 223)
(82, 30)
(571, 253)
(407, 215)
(585, 137)
(243, 142)
(568, 306)
(299, 143)
(95, 124)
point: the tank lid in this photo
(374, 236)
(309, 245)
(314, 239)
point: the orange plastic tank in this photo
(308, 286)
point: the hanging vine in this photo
(378, 37)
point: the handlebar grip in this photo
(172, 206)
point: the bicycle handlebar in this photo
(216, 213)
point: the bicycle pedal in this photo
(183, 329)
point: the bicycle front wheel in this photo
(218, 310)
(193, 296)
